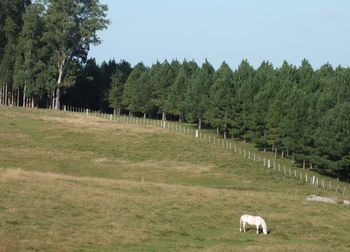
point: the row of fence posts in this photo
(271, 165)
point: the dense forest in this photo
(43, 43)
(297, 112)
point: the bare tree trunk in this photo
(304, 163)
(11, 101)
(6, 101)
(58, 97)
(225, 129)
(119, 111)
(199, 123)
(59, 83)
(1, 93)
(282, 154)
(275, 152)
(163, 116)
(24, 96)
(18, 94)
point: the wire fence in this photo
(260, 158)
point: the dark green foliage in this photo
(221, 108)
(136, 96)
(197, 95)
(176, 103)
(295, 111)
(115, 92)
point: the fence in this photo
(228, 145)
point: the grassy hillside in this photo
(73, 182)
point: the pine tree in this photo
(219, 113)
(115, 92)
(197, 95)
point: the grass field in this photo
(70, 182)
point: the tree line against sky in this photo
(297, 112)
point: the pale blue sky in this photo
(227, 30)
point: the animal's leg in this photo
(240, 225)
(244, 226)
(257, 229)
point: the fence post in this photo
(269, 163)
(197, 133)
(337, 188)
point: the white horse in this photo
(252, 220)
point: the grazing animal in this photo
(252, 220)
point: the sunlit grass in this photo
(76, 182)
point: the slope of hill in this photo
(73, 182)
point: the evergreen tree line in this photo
(43, 43)
(297, 112)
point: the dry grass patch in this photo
(44, 211)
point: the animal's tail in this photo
(240, 224)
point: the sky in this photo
(227, 30)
